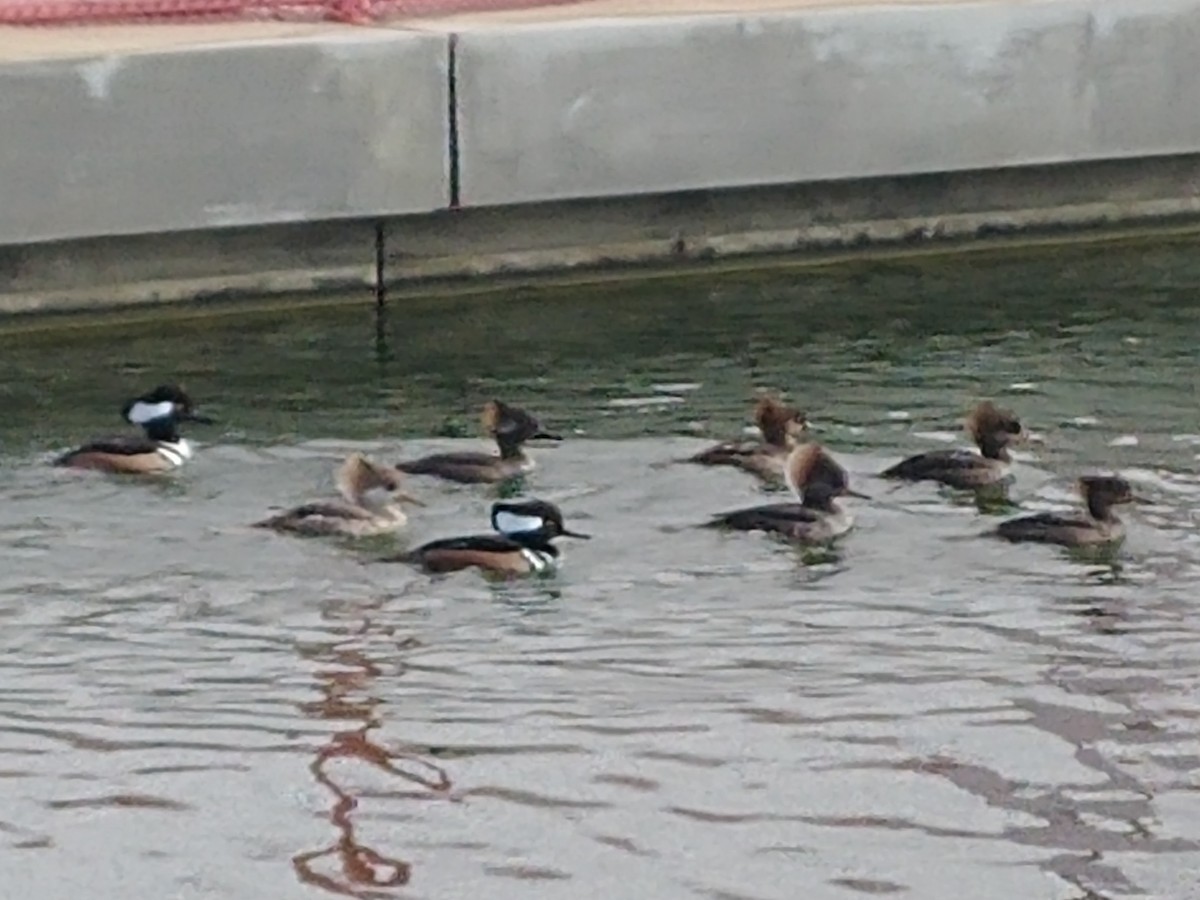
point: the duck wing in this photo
(932, 464)
(492, 552)
(464, 467)
(956, 468)
(1046, 528)
(728, 453)
(316, 518)
(780, 517)
(114, 445)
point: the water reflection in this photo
(345, 681)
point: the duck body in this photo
(817, 481)
(1066, 531)
(160, 447)
(128, 454)
(763, 461)
(369, 504)
(469, 467)
(336, 517)
(794, 522)
(960, 469)
(523, 544)
(491, 552)
(510, 427)
(782, 427)
(993, 430)
(1100, 525)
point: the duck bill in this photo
(852, 493)
(576, 534)
(198, 419)
(545, 436)
(408, 498)
(1025, 437)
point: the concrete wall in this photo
(255, 158)
(346, 124)
(601, 108)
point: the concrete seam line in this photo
(452, 114)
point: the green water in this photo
(925, 334)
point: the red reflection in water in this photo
(359, 871)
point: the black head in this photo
(512, 426)
(167, 403)
(1102, 492)
(531, 518)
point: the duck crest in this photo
(805, 462)
(993, 429)
(779, 423)
(491, 415)
(988, 419)
(357, 476)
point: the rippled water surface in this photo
(195, 708)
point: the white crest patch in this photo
(539, 562)
(514, 523)
(175, 453)
(839, 522)
(142, 412)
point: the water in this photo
(194, 708)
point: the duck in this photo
(369, 504)
(783, 427)
(522, 545)
(1099, 524)
(817, 481)
(510, 427)
(160, 447)
(993, 429)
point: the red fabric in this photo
(85, 12)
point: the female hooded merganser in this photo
(161, 448)
(993, 431)
(783, 427)
(510, 427)
(817, 481)
(522, 546)
(368, 505)
(1100, 526)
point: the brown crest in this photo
(988, 421)
(357, 475)
(779, 423)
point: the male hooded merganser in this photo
(1100, 526)
(368, 505)
(522, 546)
(817, 481)
(159, 413)
(783, 427)
(993, 430)
(510, 427)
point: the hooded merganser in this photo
(159, 449)
(993, 430)
(783, 427)
(817, 481)
(510, 427)
(523, 544)
(368, 505)
(1100, 526)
